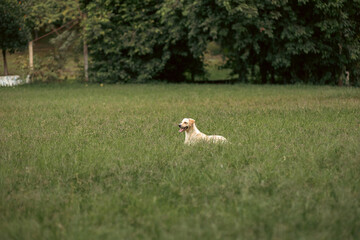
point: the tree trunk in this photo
(86, 63)
(347, 79)
(263, 72)
(341, 76)
(31, 57)
(5, 62)
(272, 75)
(340, 83)
(86, 54)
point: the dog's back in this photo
(217, 138)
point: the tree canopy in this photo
(285, 41)
(14, 34)
(263, 41)
(139, 40)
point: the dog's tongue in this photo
(181, 130)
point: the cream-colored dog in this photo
(193, 135)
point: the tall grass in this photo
(91, 162)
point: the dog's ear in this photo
(191, 121)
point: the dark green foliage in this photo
(225, 22)
(47, 15)
(263, 41)
(138, 41)
(290, 41)
(14, 35)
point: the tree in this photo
(281, 41)
(227, 23)
(138, 41)
(14, 33)
(49, 16)
(263, 41)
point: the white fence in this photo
(9, 81)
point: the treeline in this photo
(263, 41)
(269, 41)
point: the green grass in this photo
(108, 162)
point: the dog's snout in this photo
(180, 125)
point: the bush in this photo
(49, 69)
(273, 41)
(138, 41)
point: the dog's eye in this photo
(185, 122)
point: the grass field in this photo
(91, 162)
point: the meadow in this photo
(90, 162)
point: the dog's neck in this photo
(190, 132)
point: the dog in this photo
(193, 135)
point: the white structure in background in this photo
(9, 81)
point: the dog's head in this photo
(186, 124)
